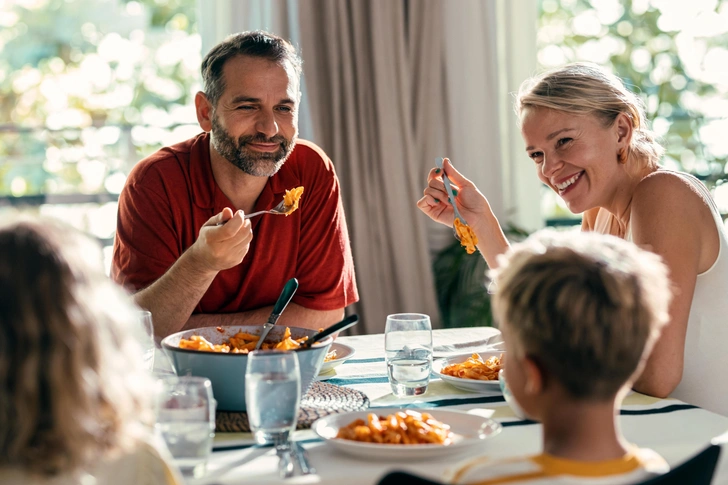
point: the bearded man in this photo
(182, 243)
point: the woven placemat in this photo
(321, 400)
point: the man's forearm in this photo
(174, 296)
(294, 316)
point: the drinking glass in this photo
(186, 420)
(145, 319)
(408, 349)
(272, 395)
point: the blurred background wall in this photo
(88, 88)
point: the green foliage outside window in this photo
(89, 87)
(672, 52)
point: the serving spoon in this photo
(288, 290)
(349, 321)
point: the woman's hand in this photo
(472, 204)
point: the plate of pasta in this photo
(471, 372)
(400, 433)
(337, 355)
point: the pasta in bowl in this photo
(471, 372)
(205, 355)
(397, 433)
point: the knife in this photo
(278, 308)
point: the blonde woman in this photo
(588, 138)
(74, 395)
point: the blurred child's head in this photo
(580, 311)
(72, 382)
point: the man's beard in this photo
(257, 164)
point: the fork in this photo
(280, 209)
(285, 461)
(302, 458)
(450, 196)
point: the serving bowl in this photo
(227, 371)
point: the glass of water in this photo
(408, 348)
(145, 319)
(186, 420)
(272, 395)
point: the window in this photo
(674, 53)
(87, 89)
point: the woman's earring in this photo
(622, 156)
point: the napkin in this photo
(493, 342)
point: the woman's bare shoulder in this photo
(667, 190)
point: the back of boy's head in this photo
(585, 307)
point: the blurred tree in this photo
(673, 53)
(76, 75)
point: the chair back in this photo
(404, 478)
(697, 470)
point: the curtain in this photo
(388, 86)
(362, 92)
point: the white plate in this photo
(343, 353)
(469, 429)
(326, 376)
(467, 384)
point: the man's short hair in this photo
(255, 44)
(586, 307)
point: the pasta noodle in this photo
(468, 239)
(240, 343)
(475, 368)
(291, 199)
(402, 428)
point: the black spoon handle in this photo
(337, 327)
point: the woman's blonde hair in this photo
(586, 89)
(73, 387)
(587, 307)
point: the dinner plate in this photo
(467, 384)
(325, 376)
(470, 430)
(343, 353)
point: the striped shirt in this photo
(637, 465)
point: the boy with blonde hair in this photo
(579, 315)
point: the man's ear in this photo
(535, 378)
(204, 111)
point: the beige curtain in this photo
(370, 91)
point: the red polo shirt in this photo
(172, 193)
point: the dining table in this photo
(674, 429)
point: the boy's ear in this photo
(204, 111)
(534, 377)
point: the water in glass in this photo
(408, 350)
(272, 395)
(273, 406)
(409, 370)
(190, 443)
(186, 421)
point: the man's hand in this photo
(223, 241)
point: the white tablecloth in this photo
(672, 428)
